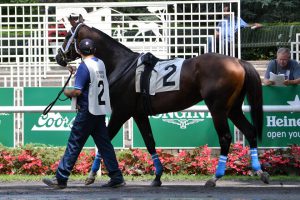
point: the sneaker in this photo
(91, 178)
(114, 184)
(55, 183)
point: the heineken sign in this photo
(281, 129)
(54, 128)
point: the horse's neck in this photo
(115, 55)
(118, 62)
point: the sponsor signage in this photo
(180, 130)
(54, 128)
(7, 119)
(281, 129)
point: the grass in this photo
(32, 178)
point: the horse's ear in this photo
(81, 20)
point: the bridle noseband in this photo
(62, 52)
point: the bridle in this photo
(62, 52)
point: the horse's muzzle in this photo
(60, 59)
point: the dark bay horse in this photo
(221, 81)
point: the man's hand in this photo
(72, 69)
(268, 82)
(289, 82)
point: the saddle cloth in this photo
(164, 77)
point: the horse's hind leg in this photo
(222, 128)
(240, 121)
(145, 129)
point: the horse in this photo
(222, 82)
(143, 27)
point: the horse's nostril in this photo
(60, 60)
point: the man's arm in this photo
(82, 76)
(296, 74)
(72, 92)
(292, 82)
(266, 80)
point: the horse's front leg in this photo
(145, 129)
(222, 128)
(115, 123)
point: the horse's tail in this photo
(253, 88)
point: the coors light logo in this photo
(53, 122)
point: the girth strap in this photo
(149, 61)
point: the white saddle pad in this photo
(164, 77)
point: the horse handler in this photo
(93, 103)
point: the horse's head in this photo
(68, 51)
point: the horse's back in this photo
(216, 76)
(214, 69)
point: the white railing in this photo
(31, 33)
(197, 108)
(295, 48)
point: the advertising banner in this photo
(7, 119)
(280, 129)
(52, 129)
(180, 130)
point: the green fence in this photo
(180, 130)
(170, 130)
(193, 129)
(7, 119)
(269, 36)
(281, 129)
(54, 128)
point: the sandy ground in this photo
(234, 190)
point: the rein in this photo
(48, 108)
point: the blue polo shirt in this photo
(292, 66)
(226, 26)
(82, 82)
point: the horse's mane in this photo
(108, 38)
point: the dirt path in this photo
(235, 190)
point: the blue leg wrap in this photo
(96, 163)
(254, 160)
(157, 164)
(221, 166)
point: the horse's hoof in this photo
(90, 179)
(265, 177)
(210, 183)
(156, 183)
